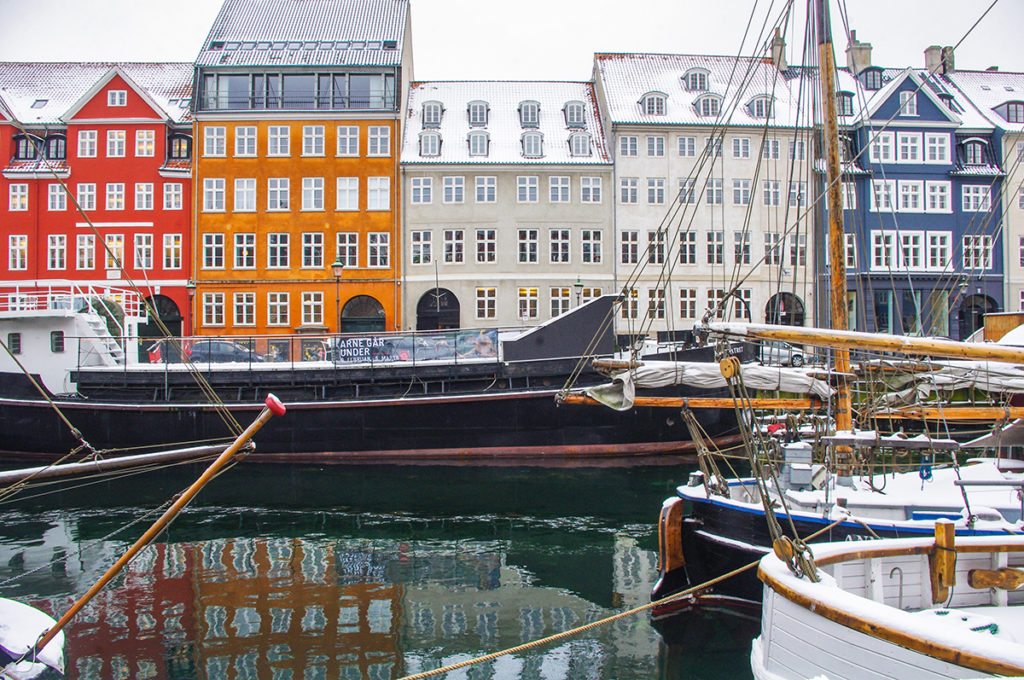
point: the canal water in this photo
(375, 572)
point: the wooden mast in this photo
(836, 237)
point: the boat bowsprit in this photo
(20, 627)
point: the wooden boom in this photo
(705, 402)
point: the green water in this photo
(364, 572)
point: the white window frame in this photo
(245, 195)
(348, 141)
(347, 194)
(559, 189)
(279, 140)
(486, 189)
(245, 141)
(215, 141)
(312, 194)
(313, 140)
(145, 143)
(421, 190)
(378, 141)
(378, 194)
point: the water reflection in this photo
(281, 591)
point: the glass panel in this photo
(299, 91)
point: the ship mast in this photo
(834, 197)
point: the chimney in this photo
(779, 51)
(858, 54)
(939, 60)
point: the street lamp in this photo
(579, 289)
(337, 267)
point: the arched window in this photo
(574, 114)
(529, 114)
(477, 112)
(844, 103)
(872, 78)
(708, 105)
(432, 112)
(974, 152)
(181, 147)
(760, 107)
(430, 144)
(696, 80)
(478, 143)
(579, 144)
(533, 144)
(56, 147)
(653, 104)
(25, 147)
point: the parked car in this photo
(781, 353)
(214, 351)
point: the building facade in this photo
(298, 121)
(508, 217)
(96, 184)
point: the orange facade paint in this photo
(276, 202)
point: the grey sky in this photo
(527, 39)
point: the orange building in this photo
(297, 142)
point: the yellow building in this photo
(297, 127)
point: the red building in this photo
(95, 189)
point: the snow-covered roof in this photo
(306, 32)
(738, 81)
(39, 93)
(503, 124)
(989, 90)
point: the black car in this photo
(213, 351)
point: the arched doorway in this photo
(437, 309)
(972, 313)
(362, 314)
(785, 309)
(167, 311)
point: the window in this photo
(278, 140)
(143, 251)
(312, 250)
(908, 147)
(245, 251)
(454, 245)
(911, 250)
(114, 247)
(378, 193)
(741, 304)
(882, 148)
(772, 192)
(56, 198)
(115, 196)
(560, 301)
(687, 146)
(714, 192)
(708, 106)
(910, 196)
(533, 146)
(908, 103)
(348, 248)
(688, 247)
(579, 144)
(849, 192)
(213, 309)
(529, 114)
(348, 193)
(938, 197)
(558, 189)
(278, 193)
(590, 240)
(872, 78)
(559, 246)
(798, 193)
(213, 251)
(181, 147)
(17, 252)
(713, 146)
(18, 197)
(936, 148)
(378, 249)
(656, 190)
(773, 248)
(478, 143)
(87, 196)
(526, 189)
(975, 198)
(656, 147)
(145, 143)
(421, 246)
(740, 191)
(421, 188)
(173, 196)
(761, 107)
(797, 250)
(378, 141)
(716, 247)
(432, 112)
(716, 302)
(486, 246)
(477, 113)
(87, 144)
(25, 148)
(312, 193)
(883, 255)
(629, 188)
(85, 252)
(14, 343)
(348, 140)
(244, 309)
(1015, 112)
(883, 193)
(798, 150)
(977, 252)
(245, 141)
(938, 251)
(741, 147)
(213, 194)
(653, 104)
(245, 194)
(687, 191)
(117, 97)
(56, 147)
(277, 309)
(527, 303)
(486, 189)
(656, 247)
(590, 189)
(454, 189)
(214, 140)
(627, 146)
(770, 148)
(974, 153)
(56, 251)
(630, 304)
(486, 303)
(527, 249)
(312, 308)
(629, 247)
(688, 303)
(143, 196)
(313, 140)
(277, 251)
(741, 246)
(696, 81)
(574, 114)
(115, 143)
(850, 241)
(172, 251)
(56, 342)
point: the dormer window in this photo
(653, 104)
(760, 107)
(533, 144)
(708, 105)
(430, 144)
(1015, 112)
(974, 152)
(477, 112)
(872, 78)
(579, 144)
(56, 147)
(180, 147)
(696, 80)
(432, 112)
(529, 114)
(844, 103)
(25, 147)
(950, 103)
(574, 114)
(908, 103)
(117, 97)
(478, 143)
